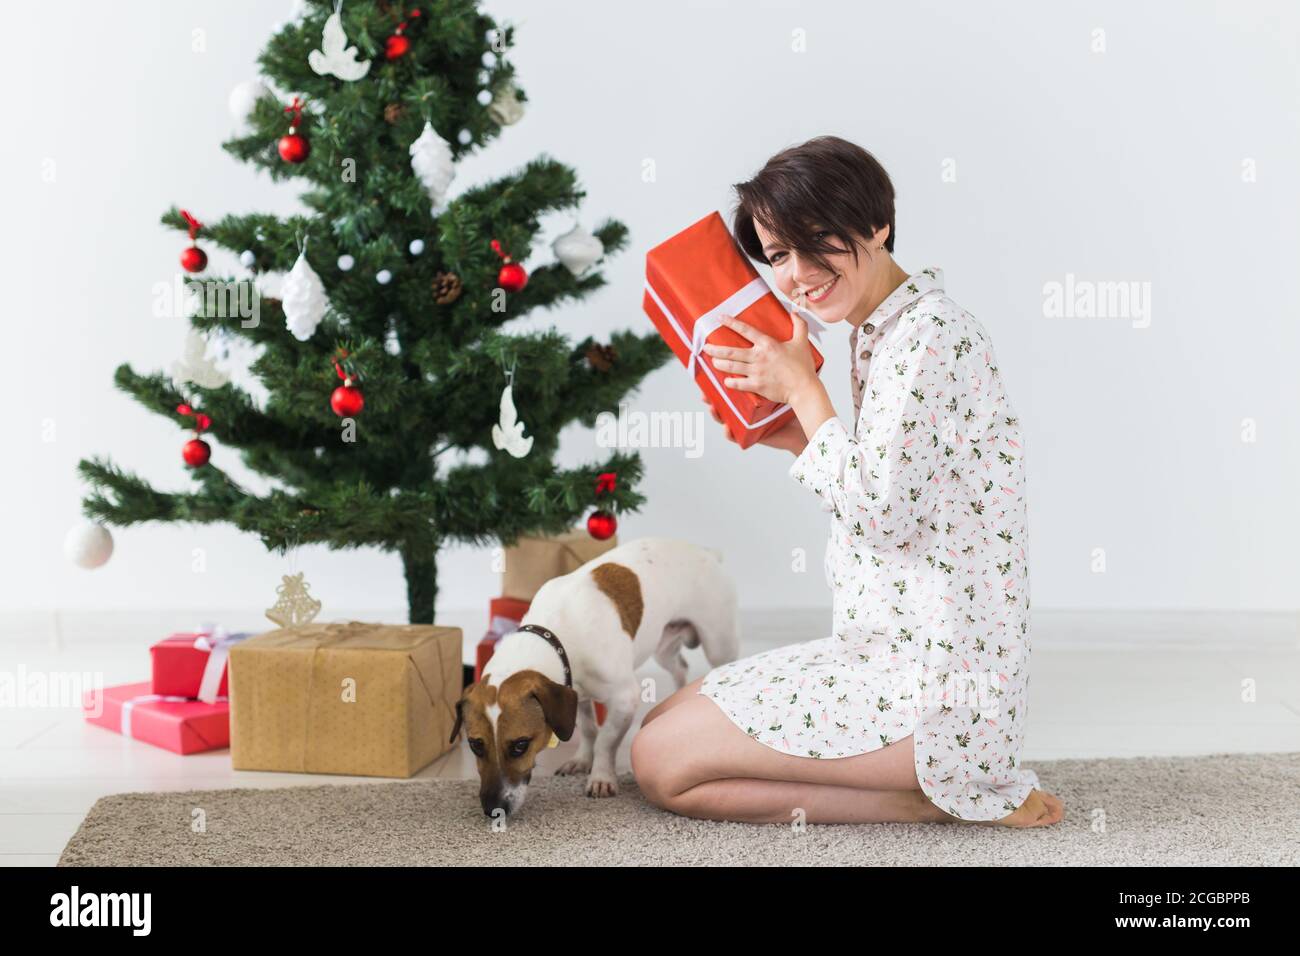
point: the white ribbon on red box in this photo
(217, 641)
(129, 705)
(501, 626)
(711, 321)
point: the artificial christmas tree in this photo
(412, 284)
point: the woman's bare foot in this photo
(1040, 809)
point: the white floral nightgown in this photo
(926, 561)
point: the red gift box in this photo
(504, 615)
(177, 724)
(182, 661)
(513, 608)
(691, 279)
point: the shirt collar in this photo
(926, 280)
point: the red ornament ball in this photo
(194, 259)
(512, 277)
(196, 452)
(396, 46)
(347, 401)
(294, 148)
(601, 525)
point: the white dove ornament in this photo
(195, 367)
(335, 57)
(509, 434)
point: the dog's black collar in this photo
(555, 643)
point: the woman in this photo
(913, 710)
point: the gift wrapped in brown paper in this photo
(349, 698)
(535, 559)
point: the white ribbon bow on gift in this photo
(501, 626)
(711, 321)
(217, 641)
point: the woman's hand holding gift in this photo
(778, 371)
(781, 372)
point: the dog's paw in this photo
(576, 765)
(599, 786)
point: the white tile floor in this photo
(1103, 684)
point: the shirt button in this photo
(868, 328)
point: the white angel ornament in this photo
(509, 434)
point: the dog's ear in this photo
(460, 719)
(559, 705)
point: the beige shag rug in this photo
(1223, 809)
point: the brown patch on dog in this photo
(623, 587)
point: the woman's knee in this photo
(658, 763)
(647, 754)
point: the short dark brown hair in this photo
(826, 182)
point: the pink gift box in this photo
(182, 661)
(174, 723)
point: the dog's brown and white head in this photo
(507, 725)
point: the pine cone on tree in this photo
(446, 288)
(601, 357)
(393, 112)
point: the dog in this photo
(582, 639)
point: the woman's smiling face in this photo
(835, 295)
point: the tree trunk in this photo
(420, 561)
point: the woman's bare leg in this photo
(783, 801)
(704, 744)
(697, 762)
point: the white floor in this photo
(1102, 684)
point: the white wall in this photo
(1117, 166)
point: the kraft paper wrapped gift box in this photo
(535, 559)
(347, 698)
(691, 279)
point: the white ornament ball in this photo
(489, 59)
(246, 258)
(577, 249)
(484, 97)
(346, 262)
(465, 137)
(416, 246)
(244, 97)
(484, 78)
(383, 277)
(88, 545)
